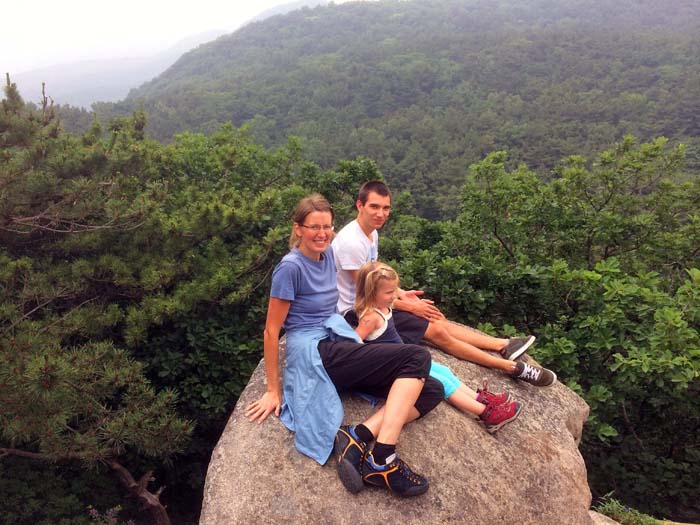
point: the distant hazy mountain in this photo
(286, 8)
(82, 83)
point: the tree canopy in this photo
(134, 274)
(425, 88)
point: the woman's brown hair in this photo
(307, 205)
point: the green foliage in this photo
(64, 393)
(623, 515)
(427, 87)
(32, 496)
(133, 284)
(46, 494)
(629, 204)
(88, 403)
(110, 517)
(70, 391)
(600, 261)
(134, 279)
(631, 350)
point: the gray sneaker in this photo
(533, 374)
(516, 347)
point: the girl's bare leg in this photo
(464, 398)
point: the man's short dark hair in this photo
(372, 186)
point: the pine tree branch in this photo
(60, 319)
(29, 313)
(37, 455)
(52, 224)
(139, 489)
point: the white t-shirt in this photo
(351, 249)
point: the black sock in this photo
(364, 434)
(381, 451)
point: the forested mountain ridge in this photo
(136, 276)
(427, 88)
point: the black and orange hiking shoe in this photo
(395, 476)
(349, 451)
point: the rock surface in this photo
(529, 472)
(602, 519)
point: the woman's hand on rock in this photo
(263, 407)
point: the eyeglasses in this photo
(317, 228)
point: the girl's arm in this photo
(271, 401)
(368, 324)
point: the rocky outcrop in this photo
(530, 472)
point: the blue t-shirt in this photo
(309, 285)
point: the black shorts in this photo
(410, 327)
(373, 368)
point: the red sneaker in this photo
(491, 398)
(495, 416)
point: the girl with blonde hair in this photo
(376, 289)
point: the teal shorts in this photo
(445, 376)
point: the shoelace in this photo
(407, 472)
(531, 372)
(496, 415)
(485, 396)
(483, 393)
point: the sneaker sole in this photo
(522, 349)
(413, 491)
(350, 477)
(494, 428)
(348, 474)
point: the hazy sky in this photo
(37, 33)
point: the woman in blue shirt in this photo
(325, 355)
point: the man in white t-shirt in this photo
(419, 319)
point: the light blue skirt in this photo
(446, 377)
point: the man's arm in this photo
(424, 308)
(410, 302)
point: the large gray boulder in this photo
(529, 472)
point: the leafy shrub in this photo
(623, 515)
(599, 263)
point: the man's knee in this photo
(437, 334)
